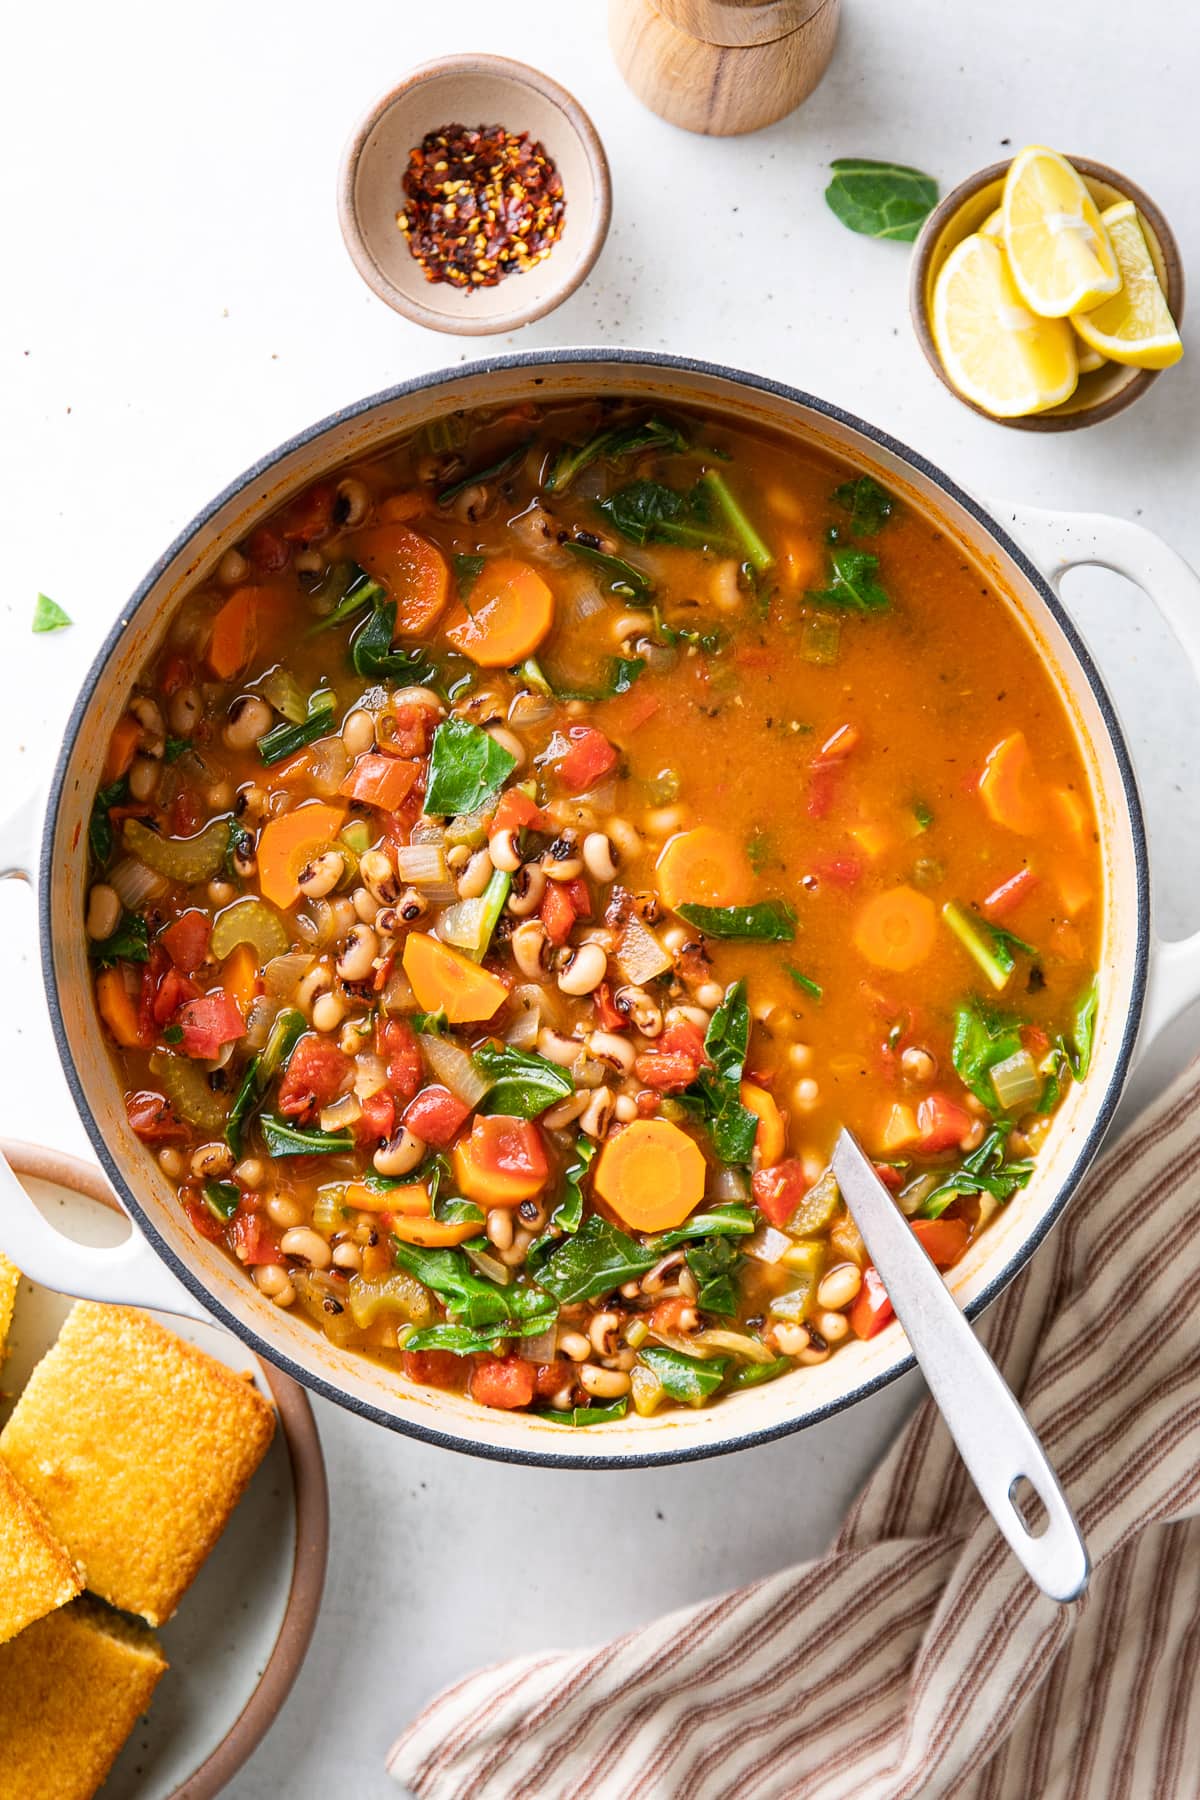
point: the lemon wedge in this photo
(993, 225)
(1058, 249)
(1135, 326)
(1089, 360)
(995, 351)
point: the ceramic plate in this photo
(242, 1630)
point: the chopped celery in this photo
(359, 591)
(281, 689)
(495, 896)
(995, 959)
(821, 639)
(250, 921)
(284, 740)
(817, 1207)
(329, 1208)
(357, 835)
(397, 1292)
(185, 1085)
(187, 860)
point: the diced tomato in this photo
(267, 550)
(891, 1177)
(552, 1376)
(433, 1368)
(943, 1240)
(378, 1119)
(436, 1116)
(647, 1102)
(1009, 895)
(310, 515)
(315, 1077)
(509, 1146)
(517, 812)
(187, 812)
(151, 1117)
(394, 1040)
(502, 1381)
(202, 1221)
(250, 1238)
(682, 1038)
(209, 1023)
(589, 757)
(580, 896)
(822, 784)
(174, 990)
(153, 970)
(186, 940)
(942, 1124)
(666, 1316)
(411, 730)
(669, 1074)
(1035, 1040)
(839, 871)
(607, 1016)
(382, 781)
(778, 1191)
(626, 713)
(872, 1310)
(176, 673)
(556, 912)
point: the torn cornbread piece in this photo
(72, 1688)
(9, 1278)
(36, 1574)
(137, 1447)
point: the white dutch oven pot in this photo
(1144, 983)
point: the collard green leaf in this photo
(869, 505)
(880, 199)
(501, 466)
(523, 1083)
(597, 1259)
(468, 1340)
(625, 581)
(589, 1415)
(803, 981)
(853, 583)
(373, 656)
(981, 1040)
(766, 922)
(688, 1379)
(100, 831)
(715, 1094)
(649, 512)
(130, 942)
(733, 1218)
(754, 1374)
(467, 570)
(611, 446)
(221, 1199)
(1082, 1035)
(286, 739)
(984, 1171)
(282, 1138)
(467, 768)
(715, 1263)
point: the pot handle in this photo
(1058, 542)
(127, 1274)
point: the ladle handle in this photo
(994, 1438)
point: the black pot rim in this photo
(548, 359)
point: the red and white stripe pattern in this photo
(948, 1673)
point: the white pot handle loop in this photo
(1058, 542)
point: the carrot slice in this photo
(1072, 813)
(117, 1008)
(412, 570)
(1075, 890)
(399, 508)
(433, 1233)
(651, 1174)
(442, 978)
(896, 930)
(249, 617)
(289, 842)
(770, 1139)
(1010, 789)
(900, 1130)
(512, 609)
(704, 867)
(122, 747)
(239, 976)
(412, 1200)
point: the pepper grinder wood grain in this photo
(722, 66)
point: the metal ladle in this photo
(992, 1434)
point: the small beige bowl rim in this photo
(508, 71)
(310, 1489)
(939, 225)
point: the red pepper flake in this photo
(480, 205)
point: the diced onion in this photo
(730, 1184)
(328, 762)
(427, 831)
(283, 691)
(767, 1245)
(134, 883)
(538, 1349)
(340, 1114)
(640, 956)
(283, 973)
(490, 1267)
(718, 1340)
(455, 1068)
(461, 924)
(422, 865)
(1016, 1080)
(370, 1075)
(398, 996)
(469, 829)
(259, 1021)
(911, 1199)
(526, 1003)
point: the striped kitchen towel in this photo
(916, 1658)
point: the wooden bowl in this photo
(1107, 390)
(243, 1629)
(472, 91)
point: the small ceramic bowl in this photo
(242, 1630)
(1109, 389)
(471, 91)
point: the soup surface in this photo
(526, 852)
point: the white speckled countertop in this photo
(176, 299)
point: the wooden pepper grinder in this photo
(722, 66)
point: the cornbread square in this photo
(72, 1688)
(137, 1447)
(9, 1277)
(36, 1574)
